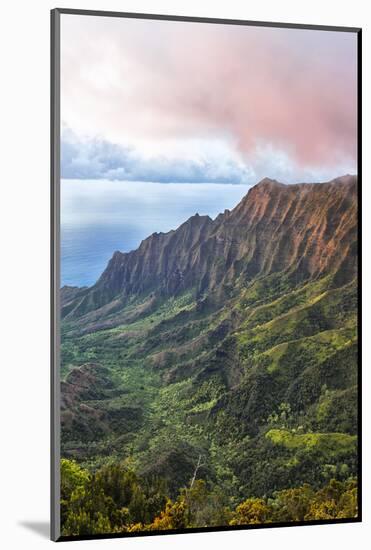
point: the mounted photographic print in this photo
(205, 239)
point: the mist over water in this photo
(101, 216)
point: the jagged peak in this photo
(197, 216)
(197, 219)
(264, 186)
(346, 179)
(70, 287)
(271, 187)
(269, 182)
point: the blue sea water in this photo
(100, 216)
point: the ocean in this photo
(99, 217)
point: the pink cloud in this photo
(292, 89)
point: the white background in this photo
(24, 255)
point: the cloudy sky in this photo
(169, 101)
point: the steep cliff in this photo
(304, 230)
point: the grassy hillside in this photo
(267, 379)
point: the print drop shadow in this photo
(41, 528)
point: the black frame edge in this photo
(226, 528)
(54, 274)
(359, 236)
(196, 19)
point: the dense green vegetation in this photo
(115, 499)
(261, 386)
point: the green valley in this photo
(212, 373)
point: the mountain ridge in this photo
(274, 226)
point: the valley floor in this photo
(252, 394)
